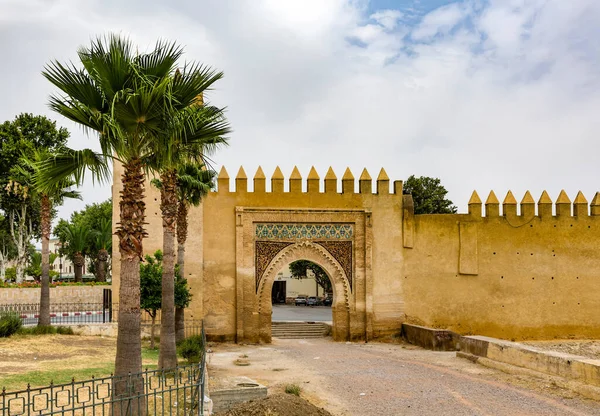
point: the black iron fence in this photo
(178, 392)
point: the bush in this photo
(191, 349)
(64, 330)
(293, 389)
(11, 274)
(10, 323)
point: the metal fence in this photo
(178, 392)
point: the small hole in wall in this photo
(155, 199)
(517, 252)
(533, 278)
(503, 306)
(501, 277)
(494, 253)
(531, 225)
(532, 254)
(571, 225)
(578, 303)
(554, 225)
(552, 277)
(578, 277)
(406, 277)
(589, 226)
(554, 255)
(156, 213)
(554, 303)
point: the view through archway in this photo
(302, 297)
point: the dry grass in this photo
(37, 360)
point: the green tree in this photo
(151, 288)
(50, 196)
(429, 196)
(127, 98)
(103, 242)
(8, 250)
(300, 270)
(77, 238)
(19, 140)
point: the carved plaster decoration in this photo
(342, 252)
(308, 251)
(304, 231)
(264, 253)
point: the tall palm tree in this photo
(194, 181)
(50, 196)
(77, 237)
(191, 132)
(125, 97)
(103, 238)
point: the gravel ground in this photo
(585, 348)
(391, 379)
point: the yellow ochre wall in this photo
(533, 275)
(508, 276)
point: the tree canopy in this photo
(429, 195)
(300, 270)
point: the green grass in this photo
(293, 389)
(43, 378)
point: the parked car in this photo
(300, 300)
(327, 301)
(312, 301)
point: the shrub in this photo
(293, 389)
(11, 274)
(191, 349)
(45, 330)
(10, 323)
(64, 330)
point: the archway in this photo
(315, 253)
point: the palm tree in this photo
(191, 132)
(125, 97)
(50, 196)
(103, 238)
(77, 237)
(194, 181)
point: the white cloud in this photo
(503, 96)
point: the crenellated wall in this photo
(527, 270)
(229, 264)
(528, 274)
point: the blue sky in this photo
(484, 94)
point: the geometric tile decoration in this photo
(264, 252)
(302, 231)
(342, 252)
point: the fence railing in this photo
(178, 392)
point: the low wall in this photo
(431, 339)
(64, 294)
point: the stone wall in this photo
(509, 276)
(65, 294)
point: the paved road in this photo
(390, 379)
(301, 313)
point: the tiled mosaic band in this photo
(300, 231)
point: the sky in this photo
(483, 94)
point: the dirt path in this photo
(391, 379)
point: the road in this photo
(392, 379)
(301, 313)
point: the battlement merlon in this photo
(563, 207)
(313, 181)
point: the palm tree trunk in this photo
(182, 224)
(78, 262)
(45, 213)
(167, 357)
(130, 232)
(101, 265)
